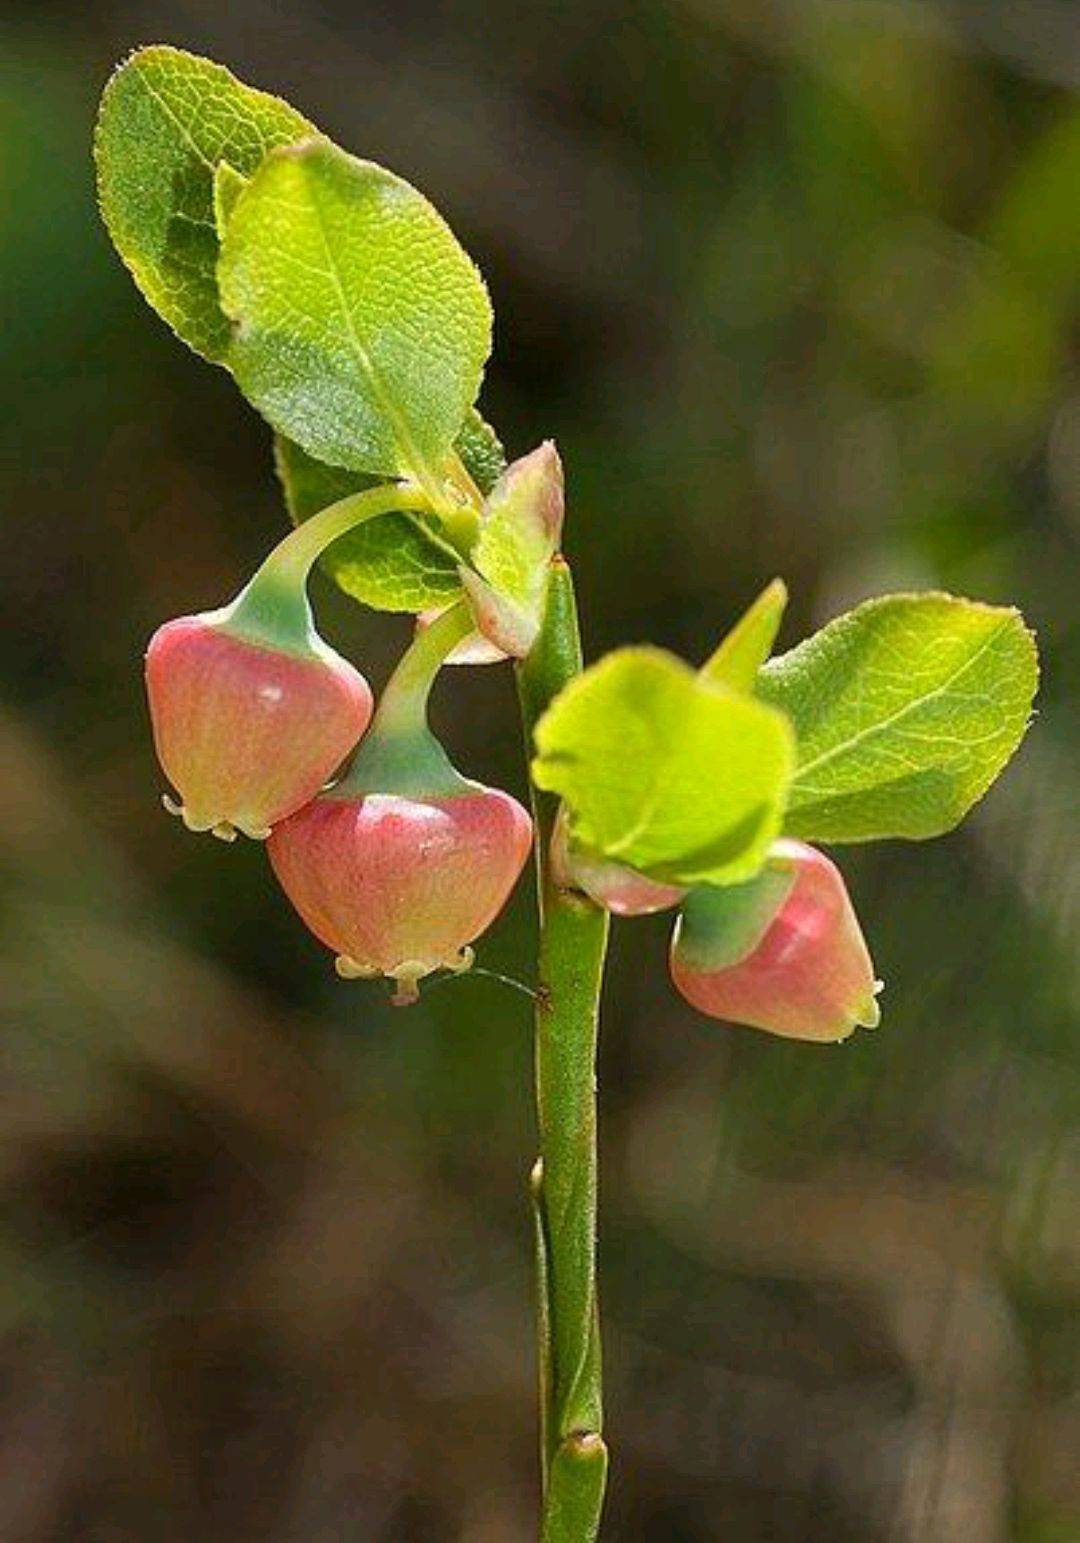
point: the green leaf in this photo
(481, 450)
(362, 327)
(677, 777)
(167, 118)
(747, 646)
(396, 562)
(906, 709)
(228, 185)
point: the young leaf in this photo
(362, 327)
(481, 451)
(906, 709)
(397, 562)
(679, 778)
(167, 119)
(228, 185)
(507, 579)
(747, 646)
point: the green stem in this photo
(573, 944)
(399, 753)
(295, 556)
(461, 520)
(403, 705)
(451, 494)
(273, 608)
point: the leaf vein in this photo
(916, 705)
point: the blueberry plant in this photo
(352, 320)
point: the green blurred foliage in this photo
(796, 290)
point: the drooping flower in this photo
(784, 953)
(252, 711)
(405, 863)
(246, 730)
(401, 886)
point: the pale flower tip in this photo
(222, 829)
(255, 832)
(868, 1013)
(406, 980)
(352, 969)
(462, 961)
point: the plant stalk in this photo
(573, 945)
(273, 606)
(295, 555)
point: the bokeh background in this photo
(795, 286)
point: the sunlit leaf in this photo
(167, 119)
(906, 709)
(746, 647)
(679, 778)
(228, 185)
(361, 326)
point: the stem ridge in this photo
(564, 1184)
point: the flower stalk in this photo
(273, 604)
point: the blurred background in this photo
(795, 286)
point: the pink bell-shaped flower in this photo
(248, 731)
(618, 889)
(252, 712)
(784, 953)
(403, 864)
(400, 886)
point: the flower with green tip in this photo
(784, 953)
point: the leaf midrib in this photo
(184, 130)
(416, 464)
(847, 745)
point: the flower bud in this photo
(246, 731)
(784, 953)
(618, 889)
(506, 579)
(400, 886)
